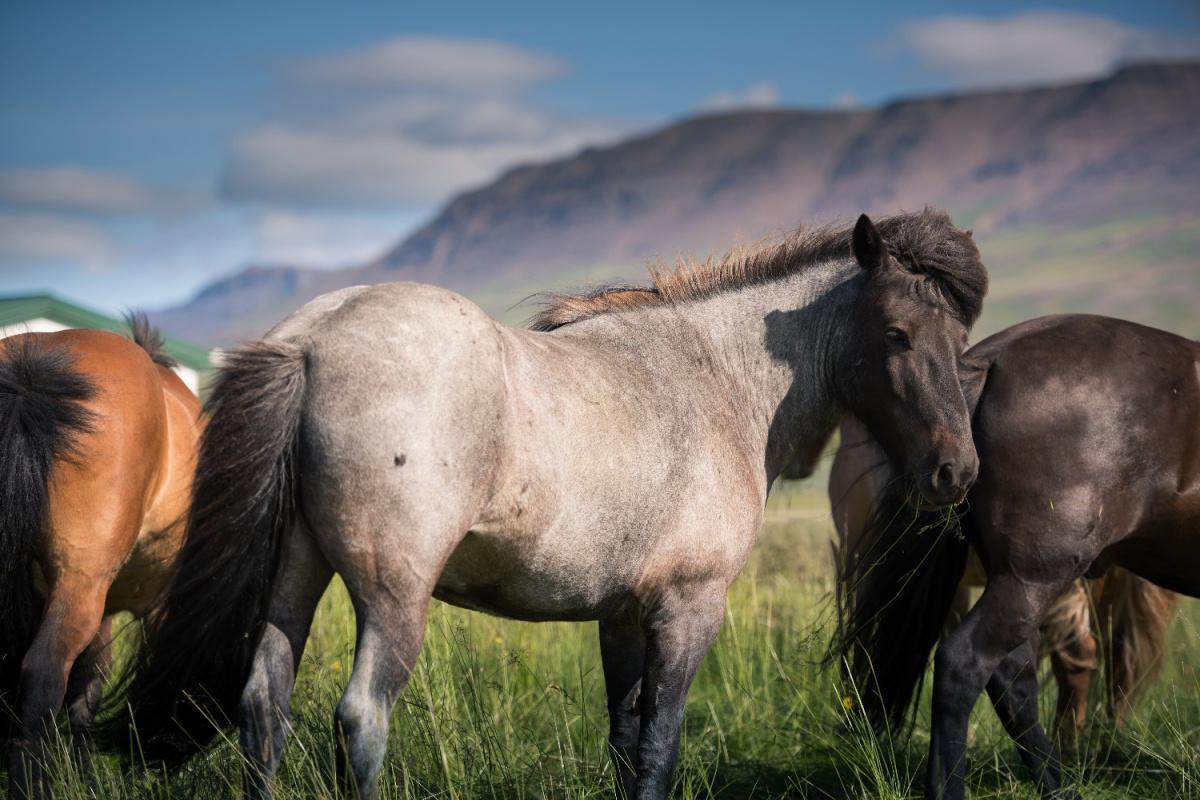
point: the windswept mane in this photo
(925, 243)
(147, 337)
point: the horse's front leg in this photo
(680, 626)
(1013, 689)
(1005, 618)
(623, 653)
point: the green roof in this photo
(15, 310)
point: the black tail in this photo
(184, 684)
(896, 586)
(41, 414)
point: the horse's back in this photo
(402, 343)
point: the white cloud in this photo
(324, 239)
(45, 238)
(88, 191)
(293, 165)
(431, 116)
(758, 95)
(431, 62)
(1036, 46)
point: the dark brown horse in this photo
(1088, 432)
(1119, 617)
(97, 448)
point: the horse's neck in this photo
(783, 338)
(770, 348)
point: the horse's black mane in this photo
(147, 337)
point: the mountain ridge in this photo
(1069, 156)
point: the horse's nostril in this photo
(944, 477)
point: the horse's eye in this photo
(897, 337)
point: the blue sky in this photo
(146, 148)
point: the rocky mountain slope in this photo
(1114, 163)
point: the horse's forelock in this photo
(931, 244)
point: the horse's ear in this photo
(867, 245)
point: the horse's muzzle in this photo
(949, 482)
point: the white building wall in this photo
(39, 325)
(189, 376)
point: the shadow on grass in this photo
(759, 781)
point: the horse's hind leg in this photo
(74, 611)
(1013, 691)
(390, 569)
(391, 626)
(264, 715)
(85, 687)
(86, 683)
(623, 654)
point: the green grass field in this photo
(501, 709)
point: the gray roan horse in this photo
(611, 466)
(1088, 430)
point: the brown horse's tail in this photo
(42, 412)
(1134, 615)
(184, 684)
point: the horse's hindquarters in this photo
(400, 430)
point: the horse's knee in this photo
(953, 664)
(960, 674)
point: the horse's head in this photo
(900, 370)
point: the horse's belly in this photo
(493, 574)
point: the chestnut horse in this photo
(1088, 433)
(1119, 617)
(611, 465)
(97, 449)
